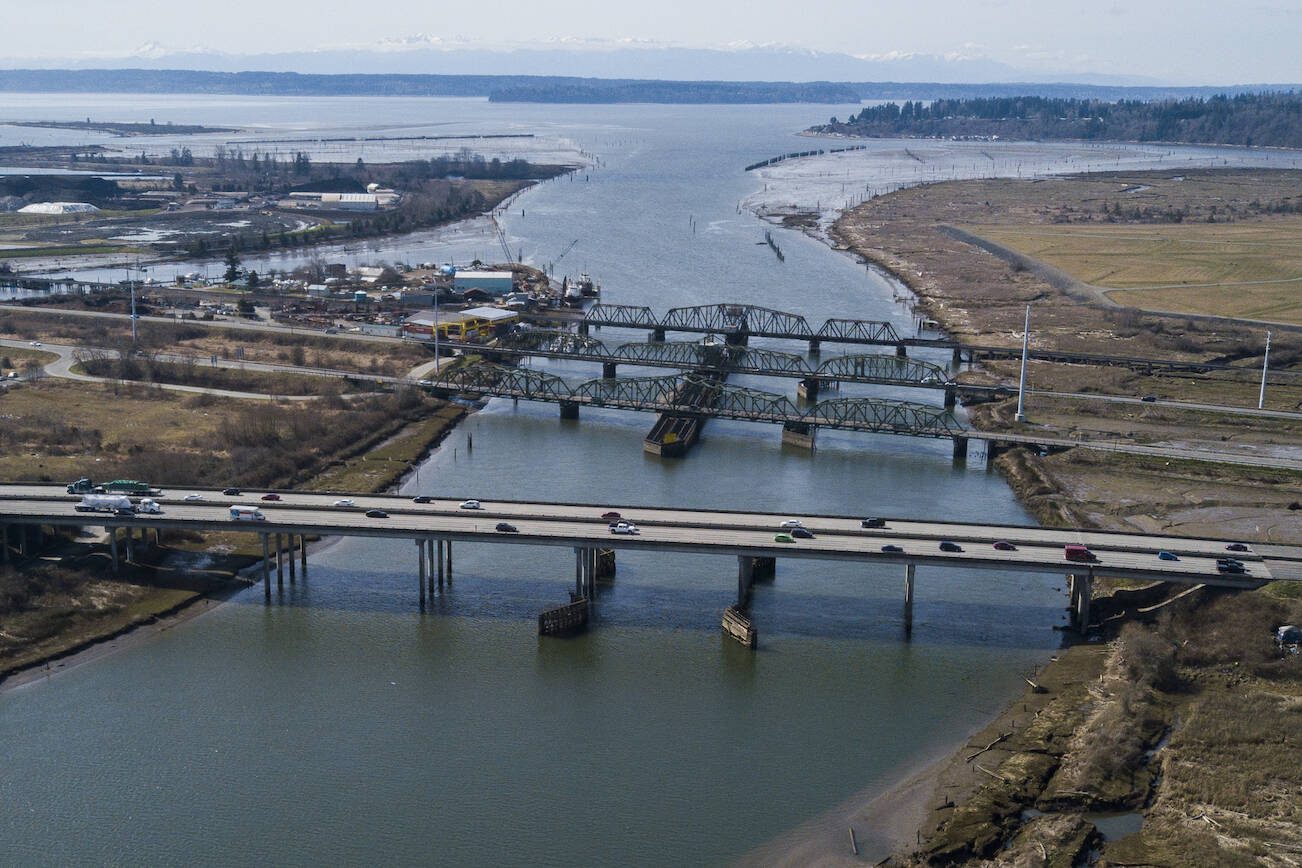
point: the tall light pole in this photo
(437, 362)
(1021, 385)
(1265, 367)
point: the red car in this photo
(611, 516)
(271, 497)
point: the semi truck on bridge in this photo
(131, 487)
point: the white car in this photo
(36, 343)
(346, 502)
(792, 522)
(624, 527)
(193, 497)
(471, 504)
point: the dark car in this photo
(801, 533)
(376, 513)
(507, 527)
(873, 522)
(422, 498)
(232, 492)
(1149, 399)
(611, 516)
(1005, 546)
(1230, 565)
(889, 547)
(271, 497)
(1236, 547)
(947, 546)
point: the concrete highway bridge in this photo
(750, 537)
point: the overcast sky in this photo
(1180, 41)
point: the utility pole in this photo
(132, 284)
(1021, 385)
(1265, 368)
(437, 362)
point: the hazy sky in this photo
(1187, 41)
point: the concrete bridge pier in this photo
(447, 553)
(131, 547)
(266, 566)
(422, 577)
(429, 564)
(658, 335)
(763, 569)
(569, 410)
(1080, 590)
(800, 434)
(960, 450)
(583, 328)
(808, 388)
(113, 547)
(290, 557)
(745, 581)
(956, 360)
(302, 554)
(815, 346)
(4, 543)
(280, 563)
(901, 351)
(737, 339)
(604, 567)
(951, 397)
(909, 570)
(608, 370)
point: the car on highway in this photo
(192, 498)
(471, 504)
(425, 383)
(624, 527)
(891, 548)
(36, 343)
(1230, 565)
(376, 513)
(1167, 556)
(949, 546)
(345, 503)
(873, 522)
(784, 538)
(422, 498)
(801, 533)
(1005, 546)
(232, 492)
(272, 496)
(792, 522)
(1237, 547)
(611, 516)
(1149, 399)
(1078, 552)
(506, 527)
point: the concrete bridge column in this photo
(447, 547)
(289, 554)
(658, 335)
(583, 328)
(605, 564)
(763, 569)
(131, 546)
(113, 547)
(24, 540)
(4, 542)
(578, 572)
(956, 360)
(266, 566)
(908, 597)
(429, 569)
(951, 397)
(1082, 592)
(901, 351)
(808, 388)
(302, 554)
(569, 410)
(440, 561)
(608, 370)
(745, 579)
(815, 346)
(280, 562)
(420, 548)
(960, 450)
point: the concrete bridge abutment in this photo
(799, 434)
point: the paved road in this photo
(1173, 405)
(736, 533)
(1246, 456)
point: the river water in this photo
(341, 725)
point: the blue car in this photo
(1167, 556)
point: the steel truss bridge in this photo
(728, 358)
(693, 395)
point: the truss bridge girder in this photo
(879, 368)
(896, 417)
(859, 330)
(621, 315)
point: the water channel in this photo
(340, 725)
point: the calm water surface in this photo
(343, 726)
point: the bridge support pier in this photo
(447, 550)
(960, 450)
(799, 434)
(583, 329)
(302, 554)
(608, 370)
(605, 564)
(763, 569)
(1080, 590)
(808, 388)
(901, 351)
(266, 566)
(440, 562)
(815, 346)
(658, 335)
(951, 397)
(280, 562)
(745, 580)
(289, 555)
(113, 548)
(908, 598)
(4, 543)
(569, 410)
(421, 571)
(131, 546)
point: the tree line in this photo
(1270, 119)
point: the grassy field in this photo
(1251, 270)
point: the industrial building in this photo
(496, 283)
(477, 322)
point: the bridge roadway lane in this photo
(837, 537)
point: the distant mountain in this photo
(427, 55)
